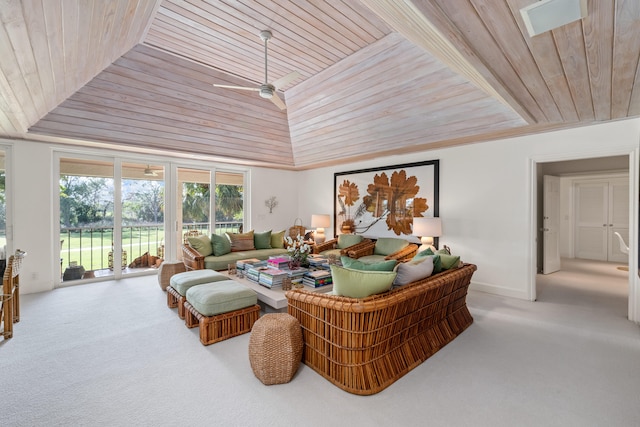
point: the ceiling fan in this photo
(268, 90)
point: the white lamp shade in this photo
(320, 221)
(429, 227)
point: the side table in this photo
(168, 269)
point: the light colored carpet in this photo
(113, 354)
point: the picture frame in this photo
(382, 201)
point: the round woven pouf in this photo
(275, 348)
(168, 269)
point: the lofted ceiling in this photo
(375, 77)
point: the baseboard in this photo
(499, 290)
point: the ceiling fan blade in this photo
(254, 89)
(285, 80)
(276, 100)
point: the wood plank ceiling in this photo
(376, 77)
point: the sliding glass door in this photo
(86, 218)
(142, 193)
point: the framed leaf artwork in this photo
(382, 202)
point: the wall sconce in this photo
(320, 222)
(427, 229)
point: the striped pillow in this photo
(241, 241)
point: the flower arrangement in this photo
(298, 250)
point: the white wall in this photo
(487, 198)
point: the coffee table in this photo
(272, 300)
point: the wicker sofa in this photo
(364, 345)
(193, 260)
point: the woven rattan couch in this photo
(364, 345)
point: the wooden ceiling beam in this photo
(425, 24)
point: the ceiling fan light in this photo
(266, 92)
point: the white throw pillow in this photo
(409, 272)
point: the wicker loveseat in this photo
(364, 345)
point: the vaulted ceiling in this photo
(375, 77)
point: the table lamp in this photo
(320, 222)
(427, 229)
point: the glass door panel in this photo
(86, 218)
(194, 204)
(142, 193)
(229, 202)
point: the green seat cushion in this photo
(181, 282)
(372, 259)
(221, 244)
(329, 252)
(346, 240)
(413, 271)
(355, 264)
(388, 245)
(202, 244)
(221, 297)
(360, 284)
(262, 240)
(277, 239)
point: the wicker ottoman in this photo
(168, 269)
(180, 283)
(275, 348)
(222, 310)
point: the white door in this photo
(592, 226)
(550, 224)
(618, 218)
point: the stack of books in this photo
(272, 277)
(280, 262)
(253, 272)
(241, 264)
(318, 262)
(317, 278)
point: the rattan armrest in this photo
(191, 258)
(325, 246)
(405, 253)
(346, 250)
(361, 249)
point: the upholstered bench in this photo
(180, 283)
(222, 310)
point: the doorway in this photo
(570, 173)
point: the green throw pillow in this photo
(348, 262)
(262, 240)
(221, 244)
(360, 284)
(448, 260)
(202, 244)
(346, 240)
(277, 239)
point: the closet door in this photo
(618, 218)
(592, 226)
